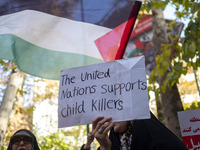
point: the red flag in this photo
(113, 44)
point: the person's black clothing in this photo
(149, 134)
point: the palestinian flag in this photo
(43, 37)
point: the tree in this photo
(170, 98)
(168, 69)
(9, 98)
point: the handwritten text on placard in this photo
(96, 90)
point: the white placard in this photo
(116, 89)
(189, 122)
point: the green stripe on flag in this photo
(38, 61)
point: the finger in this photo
(95, 121)
(90, 136)
(103, 127)
(90, 133)
(102, 122)
(109, 127)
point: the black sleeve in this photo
(83, 148)
(153, 135)
(114, 138)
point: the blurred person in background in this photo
(23, 140)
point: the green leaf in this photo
(192, 47)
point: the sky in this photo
(169, 13)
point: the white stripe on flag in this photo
(54, 33)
